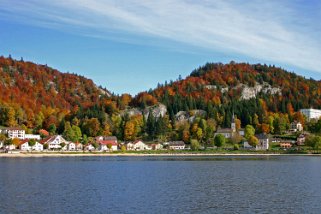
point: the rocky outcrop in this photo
(158, 110)
(190, 116)
(251, 92)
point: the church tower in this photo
(233, 126)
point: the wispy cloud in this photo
(285, 32)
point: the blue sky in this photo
(130, 46)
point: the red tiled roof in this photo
(23, 141)
(47, 139)
(137, 141)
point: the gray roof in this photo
(176, 143)
(262, 136)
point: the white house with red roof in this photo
(55, 142)
(104, 141)
(79, 146)
(24, 146)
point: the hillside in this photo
(39, 97)
(247, 90)
(31, 91)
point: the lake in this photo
(228, 184)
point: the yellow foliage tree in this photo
(129, 131)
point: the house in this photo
(10, 147)
(296, 127)
(137, 145)
(104, 141)
(230, 132)
(14, 132)
(24, 146)
(71, 146)
(37, 147)
(89, 147)
(156, 146)
(130, 146)
(79, 146)
(300, 140)
(55, 142)
(246, 145)
(227, 133)
(176, 145)
(103, 145)
(263, 142)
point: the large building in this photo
(14, 133)
(230, 132)
(311, 113)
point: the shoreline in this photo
(28, 155)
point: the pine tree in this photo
(150, 125)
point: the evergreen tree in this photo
(151, 125)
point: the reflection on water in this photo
(189, 184)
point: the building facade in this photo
(138, 145)
(311, 113)
(263, 142)
(176, 145)
(14, 133)
(55, 142)
(296, 127)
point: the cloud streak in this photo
(275, 31)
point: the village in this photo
(18, 141)
(31, 142)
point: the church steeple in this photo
(233, 125)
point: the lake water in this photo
(161, 185)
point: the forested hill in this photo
(34, 93)
(39, 97)
(247, 90)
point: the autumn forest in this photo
(36, 97)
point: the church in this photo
(230, 132)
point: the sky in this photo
(130, 46)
